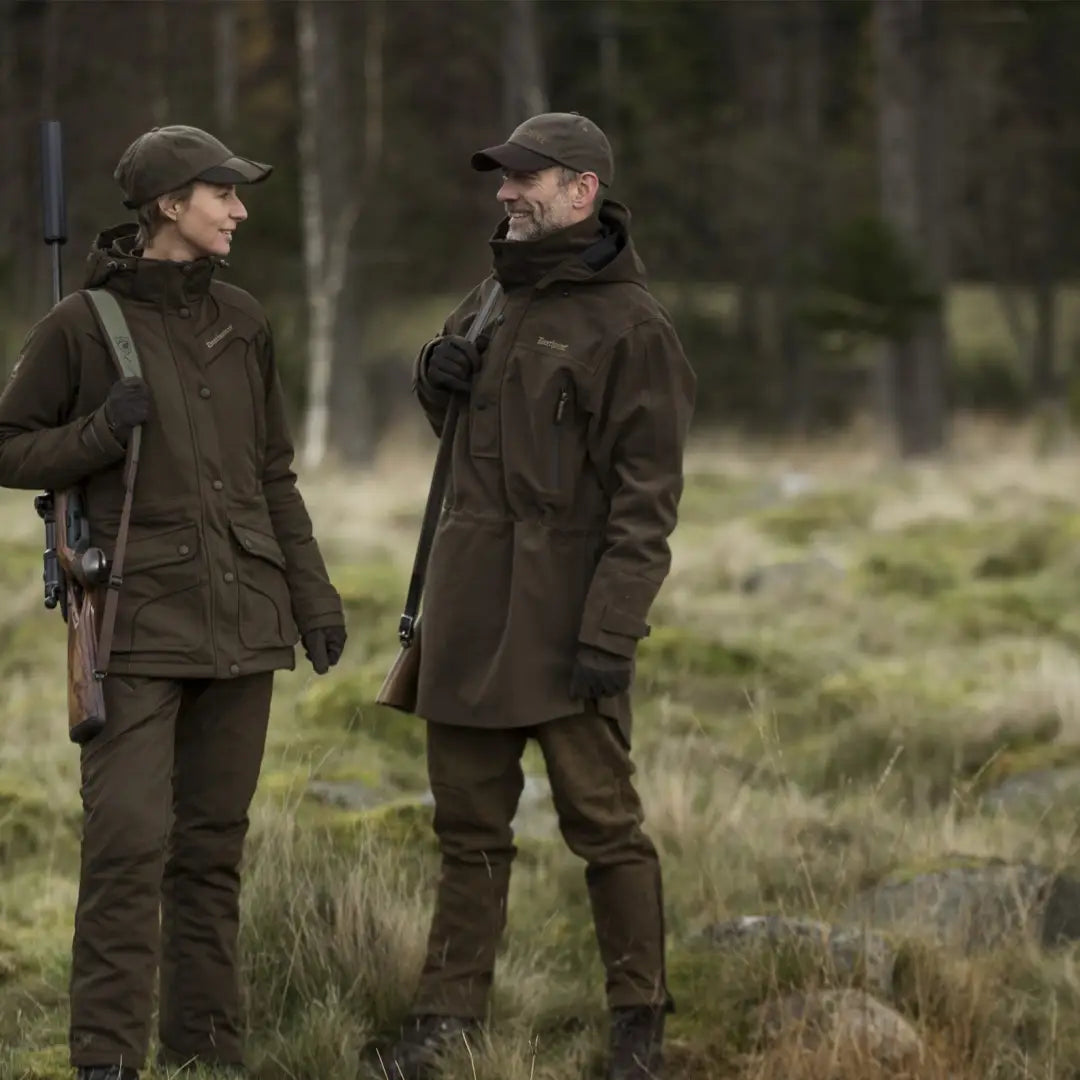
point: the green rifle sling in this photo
(115, 326)
(116, 330)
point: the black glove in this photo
(127, 406)
(452, 363)
(324, 646)
(598, 673)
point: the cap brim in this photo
(510, 156)
(236, 170)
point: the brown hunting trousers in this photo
(477, 780)
(166, 789)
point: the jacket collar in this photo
(115, 260)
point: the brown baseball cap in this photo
(166, 158)
(555, 138)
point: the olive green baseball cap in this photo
(164, 159)
(555, 138)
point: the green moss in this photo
(46, 1063)
(29, 823)
(932, 557)
(402, 826)
(712, 496)
(371, 591)
(799, 520)
(1045, 604)
(347, 703)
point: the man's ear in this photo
(588, 184)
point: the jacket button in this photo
(185, 313)
(183, 549)
(501, 318)
(204, 391)
(482, 403)
(234, 669)
(217, 485)
(230, 577)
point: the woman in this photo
(222, 576)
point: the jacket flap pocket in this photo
(258, 543)
(616, 621)
(164, 547)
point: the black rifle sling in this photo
(441, 472)
(113, 323)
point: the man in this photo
(221, 578)
(566, 477)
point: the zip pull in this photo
(564, 397)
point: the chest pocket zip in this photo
(557, 434)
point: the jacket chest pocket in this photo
(542, 436)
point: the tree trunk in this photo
(524, 94)
(158, 68)
(610, 64)
(328, 210)
(355, 415)
(11, 137)
(225, 67)
(908, 36)
(804, 227)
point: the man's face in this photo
(537, 203)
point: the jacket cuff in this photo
(323, 621)
(612, 627)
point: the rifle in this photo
(400, 686)
(74, 571)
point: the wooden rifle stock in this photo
(83, 568)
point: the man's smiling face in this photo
(537, 203)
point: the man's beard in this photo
(541, 222)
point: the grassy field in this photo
(863, 679)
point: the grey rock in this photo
(790, 574)
(535, 818)
(1033, 791)
(843, 1018)
(975, 907)
(851, 951)
(344, 794)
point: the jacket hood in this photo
(598, 249)
(116, 260)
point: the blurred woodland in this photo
(849, 206)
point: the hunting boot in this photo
(425, 1040)
(106, 1072)
(637, 1033)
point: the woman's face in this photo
(205, 223)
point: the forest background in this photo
(849, 206)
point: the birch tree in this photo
(328, 209)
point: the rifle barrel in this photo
(54, 215)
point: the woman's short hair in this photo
(151, 218)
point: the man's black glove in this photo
(452, 363)
(127, 406)
(324, 646)
(598, 673)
